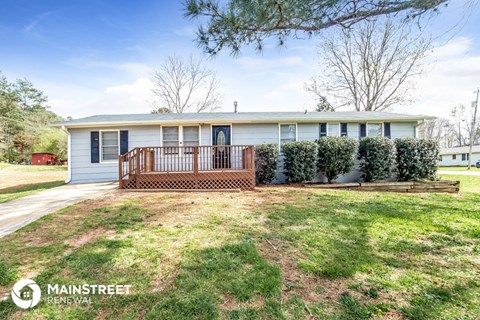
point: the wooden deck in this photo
(188, 168)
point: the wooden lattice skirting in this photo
(241, 179)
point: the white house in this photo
(176, 141)
(458, 156)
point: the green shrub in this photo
(377, 158)
(416, 159)
(336, 156)
(300, 160)
(266, 162)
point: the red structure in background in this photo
(43, 159)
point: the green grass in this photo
(467, 183)
(278, 253)
(20, 180)
(25, 190)
(473, 168)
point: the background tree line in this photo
(25, 121)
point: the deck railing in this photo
(192, 160)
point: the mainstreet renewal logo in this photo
(26, 293)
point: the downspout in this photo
(418, 125)
(69, 155)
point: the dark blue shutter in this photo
(123, 141)
(363, 130)
(323, 130)
(343, 129)
(386, 128)
(94, 147)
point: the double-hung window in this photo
(288, 133)
(333, 129)
(374, 129)
(109, 145)
(174, 136)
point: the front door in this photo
(220, 153)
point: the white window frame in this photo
(100, 144)
(383, 128)
(328, 131)
(180, 134)
(280, 132)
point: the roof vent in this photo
(235, 104)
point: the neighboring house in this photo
(95, 143)
(43, 159)
(458, 156)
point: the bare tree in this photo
(185, 85)
(321, 102)
(440, 130)
(370, 66)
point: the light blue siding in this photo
(242, 134)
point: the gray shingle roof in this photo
(240, 117)
(458, 150)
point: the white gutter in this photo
(69, 155)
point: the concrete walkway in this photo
(18, 213)
(461, 173)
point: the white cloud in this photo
(135, 69)
(135, 97)
(452, 80)
(264, 63)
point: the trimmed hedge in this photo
(416, 159)
(300, 159)
(266, 162)
(336, 156)
(377, 158)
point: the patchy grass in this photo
(277, 253)
(19, 180)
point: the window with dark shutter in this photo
(123, 141)
(363, 130)
(343, 129)
(94, 147)
(323, 130)
(386, 130)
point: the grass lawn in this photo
(276, 253)
(473, 168)
(19, 180)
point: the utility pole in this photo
(473, 131)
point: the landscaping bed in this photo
(444, 186)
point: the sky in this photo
(97, 57)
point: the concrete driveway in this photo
(18, 213)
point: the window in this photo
(180, 136)
(333, 129)
(454, 157)
(288, 133)
(343, 129)
(109, 149)
(374, 129)
(323, 130)
(440, 158)
(170, 136)
(190, 136)
(465, 156)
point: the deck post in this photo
(195, 165)
(138, 169)
(120, 172)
